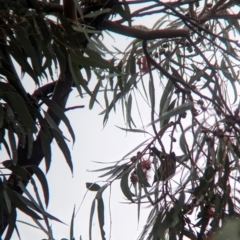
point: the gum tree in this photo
(186, 68)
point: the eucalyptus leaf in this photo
(60, 113)
(64, 148)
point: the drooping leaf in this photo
(125, 186)
(64, 148)
(92, 186)
(60, 113)
(91, 218)
(22, 37)
(17, 54)
(101, 217)
(42, 179)
(72, 225)
(94, 61)
(7, 201)
(141, 176)
(18, 105)
(166, 92)
(180, 109)
(133, 130)
(94, 94)
(129, 108)
(169, 108)
(21, 205)
(12, 224)
(45, 143)
(77, 76)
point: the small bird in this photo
(168, 165)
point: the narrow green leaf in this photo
(61, 60)
(139, 201)
(22, 37)
(170, 107)
(196, 77)
(151, 93)
(101, 217)
(102, 169)
(69, 37)
(136, 148)
(133, 130)
(37, 206)
(115, 172)
(128, 110)
(161, 226)
(180, 109)
(77, 76)
(108, 108)
(130, 83)
(94, 94)
(125, 187)
(209, 80)
(79, 9)
(52, 123)
(64, 148)
(28, 224)
(92, 186)
(175, 73)
(72, 225)
(88, 73)
(42, 179)
(54, 107)
(101, 190)
(91, 218)
(178, 206)
(229, 76)
(182, 143)
(17, 199)
(95, 62)
(141, 176)
(7, 201)
(33, 204)
(12, 217)
(46, 148)
(167, 91)
(18, 105)
(17, 54)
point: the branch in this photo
(44, 90)
(176, 81)
(74, 107)
(143, 34)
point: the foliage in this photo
(190, 56)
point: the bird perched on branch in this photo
(168, 165)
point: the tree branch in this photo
(143, 34)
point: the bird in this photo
(168, 165)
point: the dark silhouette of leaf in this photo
(64, 148)
(42, 179)
(92, 186)
(60, 113)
